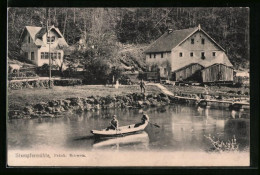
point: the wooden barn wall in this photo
(217, 73)
(187, 72)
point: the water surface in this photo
(182, 128)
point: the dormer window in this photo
(192, 41)
(202, 41)
(50, 39)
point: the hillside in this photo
(108, 30)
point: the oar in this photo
(116, 129)
(155, 124)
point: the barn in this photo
(217, 73)
(189, 72)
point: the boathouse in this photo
(183, 54)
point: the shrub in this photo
(221, 146)
(68, 82)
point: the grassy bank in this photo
(212, 90)
(18, 99)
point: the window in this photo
(192, 41)
(42, 55)
(150, 55)
(48, 39)
(202, 41)
(191, 54)
(46, 55)
(32, 55)
(180, 54)
(55, 55)
(52, 39)
(59, 55)
(213, 54)
(29, 39)
(203, 55)
(26, 55)
(154, 55)
(165, 71)
(161, 55)
(51, 55)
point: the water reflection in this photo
(140, 140)
(181, 128)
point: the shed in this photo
(217, 73)
(189, 72)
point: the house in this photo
(36, 44)
(182, 54)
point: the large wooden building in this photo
(183, 54)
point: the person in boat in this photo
(114, 123)
(144, 119)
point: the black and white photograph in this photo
(128, 86)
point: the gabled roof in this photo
(170, 40)
(36, 34)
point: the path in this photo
(163, 89)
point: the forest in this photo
(107, 31)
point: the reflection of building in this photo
(182, 54)
(36, 41)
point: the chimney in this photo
(169, 31)
(199, 27)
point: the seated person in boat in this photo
(144, 119)
(114, 123)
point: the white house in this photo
(184, 52)
(35, 44)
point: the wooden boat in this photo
(121, 131)
(139, 138)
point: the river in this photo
(182, 128)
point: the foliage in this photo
(104, 29)
(97, 71)
(221, 146)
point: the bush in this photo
(68, 82)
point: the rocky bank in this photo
(56, 108)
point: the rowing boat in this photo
(121, 131)
(139, 138)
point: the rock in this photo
(146, 103)
(28, 110)
(40, 106)
(162, 95)
(87, 107)
(90, 100)
(75, 102)
(53, 103)
(165, 99)
(49, 109)
(65, 103)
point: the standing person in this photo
(142, 86)
(114, 123)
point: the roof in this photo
(36, 34)
(168, 41)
